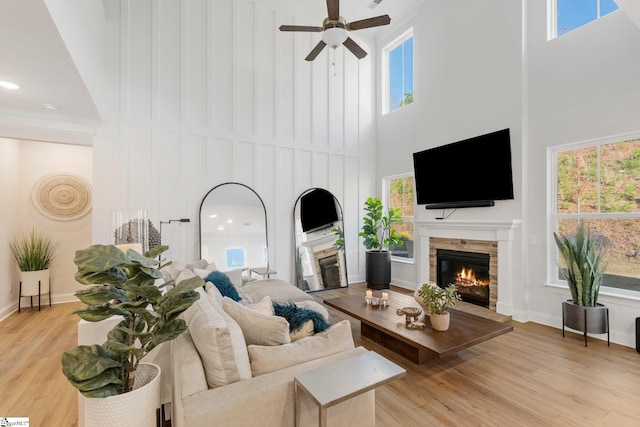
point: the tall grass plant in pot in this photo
(583, 268)
(123, 284)
(33, 253)
(378, 237)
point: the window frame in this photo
(386, 86)
(552, 19)
(386, 187)
(553, 273)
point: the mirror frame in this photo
(296, 244)
(266, 231)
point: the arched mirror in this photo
(319, 263)
(233, 229)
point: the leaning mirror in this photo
(319, 263)
(233, 229)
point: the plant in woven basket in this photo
(124, 284)
(33, 251)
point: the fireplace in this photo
(330, 271)
(469, 271)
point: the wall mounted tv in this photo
(470, 173)
(317, 210)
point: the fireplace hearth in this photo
(469, 271)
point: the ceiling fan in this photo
(334, 30)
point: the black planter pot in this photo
(378, 269)
(594, 320)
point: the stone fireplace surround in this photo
(473, 236)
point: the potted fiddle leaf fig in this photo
(378, 237)
(583, 268)
(33, 254)
(124, 284)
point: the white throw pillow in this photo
(264, 306)
(335, 339)
(203, 273)
(258, 328)
(201, 264)
(213, 292)
(219, 342)
(184, 275)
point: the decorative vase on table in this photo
(437, 300)
(135, 408)
(440, 322)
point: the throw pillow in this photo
(298, 315)
(258, 328)
(224, 285)
(206, 271)
(219, 342)
(265, 359)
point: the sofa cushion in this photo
(204, 272)
(258, 328)
(224, 285)
(278, 290)
(266, 359)
(219, 341)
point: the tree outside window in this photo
(600, 183)
(398, 70)
(401, 194)
(567, 15)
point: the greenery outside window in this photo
(397, 72)
(567, 15)
(599, 181)
(399, 192)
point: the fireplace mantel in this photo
(491, 230)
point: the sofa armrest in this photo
(268, 400)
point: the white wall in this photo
(210, 92)
(582, 85)
(468, 81)
(24, 163)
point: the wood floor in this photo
(529, 377)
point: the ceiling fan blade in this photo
(316, 50)
(354, 48)
(368, 23)
(333, 8)
(301, 28)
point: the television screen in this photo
(317, 210)
(467, 173)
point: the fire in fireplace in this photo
(469, 271)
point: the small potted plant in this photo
(437, 300)
(33, 254)
(584, 270)
(124, 284)
(379, 237)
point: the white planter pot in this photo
(136, 408)
(440, 322)
(33, 283)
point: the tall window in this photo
(600, 182)
(400, 193)
(398, 72)
(567, 15)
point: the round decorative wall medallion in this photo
(62, 196)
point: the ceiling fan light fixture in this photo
(334, 37)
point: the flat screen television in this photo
(317, 210)
(470, 173)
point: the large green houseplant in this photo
(584, 270)
(378, 237)
(123, 284)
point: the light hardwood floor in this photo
(529, 377)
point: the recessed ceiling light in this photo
(50, 106)
(8, 85)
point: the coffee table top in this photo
(465, 330)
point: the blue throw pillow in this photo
(297, 316)
(224, 285)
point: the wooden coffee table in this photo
(383, 326)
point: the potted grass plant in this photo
(583, 268)
(378, 237)
(437, 300)
(110, 375)
(33, 253)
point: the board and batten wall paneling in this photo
(267, 187)
(193, 167)
(336, 80)
(221, 39)
(194, 63)
(244, 163)
(139, 143)
(320, 170)
(304, 42)
(287, 190)
(304, 170)
(286, 65)
(165, 173)
(219, 162)
(265, 71)
(245, 63)
(137, 64)
(351, 103)
(167, 70)
(320, 99)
